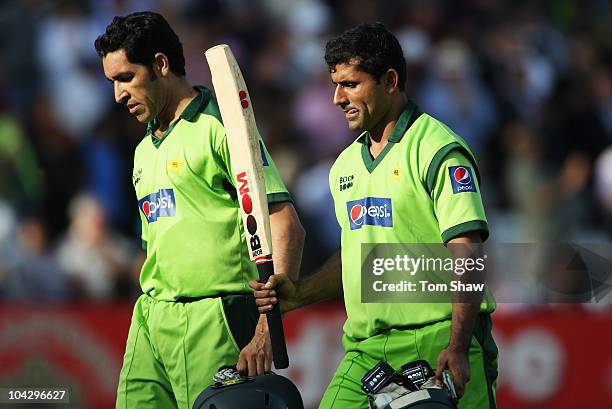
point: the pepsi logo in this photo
(461, 179)
(369, 211)
(146, 208)
(462, 175)
(158, 204)
(357, 213)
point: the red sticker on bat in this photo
(243, 101)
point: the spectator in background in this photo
(521, 76)
(60, 162)
(34, 274)
(601, 84)
(324, 130)
(454, 93)
(524, 180)
(20, 178)
(316, 206)
(7, 249)
(105, 166)
(603, 187)
(573, 137)
(67, 62)
(19, 23)
(98, 261)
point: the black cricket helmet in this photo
(269, 391)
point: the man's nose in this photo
(120, 93)
(340, 96)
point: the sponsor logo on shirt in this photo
(346, 182)
(158, 204)
(136, 176)
(370, 211)
(462, 179)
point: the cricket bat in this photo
(247, 168)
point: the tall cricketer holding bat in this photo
(196, 312)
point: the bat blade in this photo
(247, 168)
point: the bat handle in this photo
(275, 321)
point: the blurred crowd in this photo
(527, 83)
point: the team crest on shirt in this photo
(175, 166)
(395, 175)
(158, 204)
(462, 179)
(346, 182)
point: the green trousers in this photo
(174, 348)
(400, 346)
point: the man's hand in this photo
(456, 361)
(256, 357)
(278, 287)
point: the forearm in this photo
(325, 284)
(287, 239)
(466, 307)
(462, 325)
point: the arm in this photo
(325, 284)
(287, 239)
(464, 314)
(287, 243)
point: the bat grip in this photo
(275, 321)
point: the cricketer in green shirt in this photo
(406, 195)
(191, 223)
(422, 188)
(196, 312)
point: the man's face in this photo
(362, 99)
(134, 85)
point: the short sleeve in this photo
(275, 188)
(456, 196)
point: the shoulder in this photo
(143, 145)
(210, 108)
(204, 123)
(436, 141)
(347, 156)
(429, 131)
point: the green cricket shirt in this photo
(422, 188)
(191, 224)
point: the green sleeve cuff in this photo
(279, 197)
(467, 227)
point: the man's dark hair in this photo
(142, 35)
(373, 48)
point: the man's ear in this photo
(161, 65)
(390, 80)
